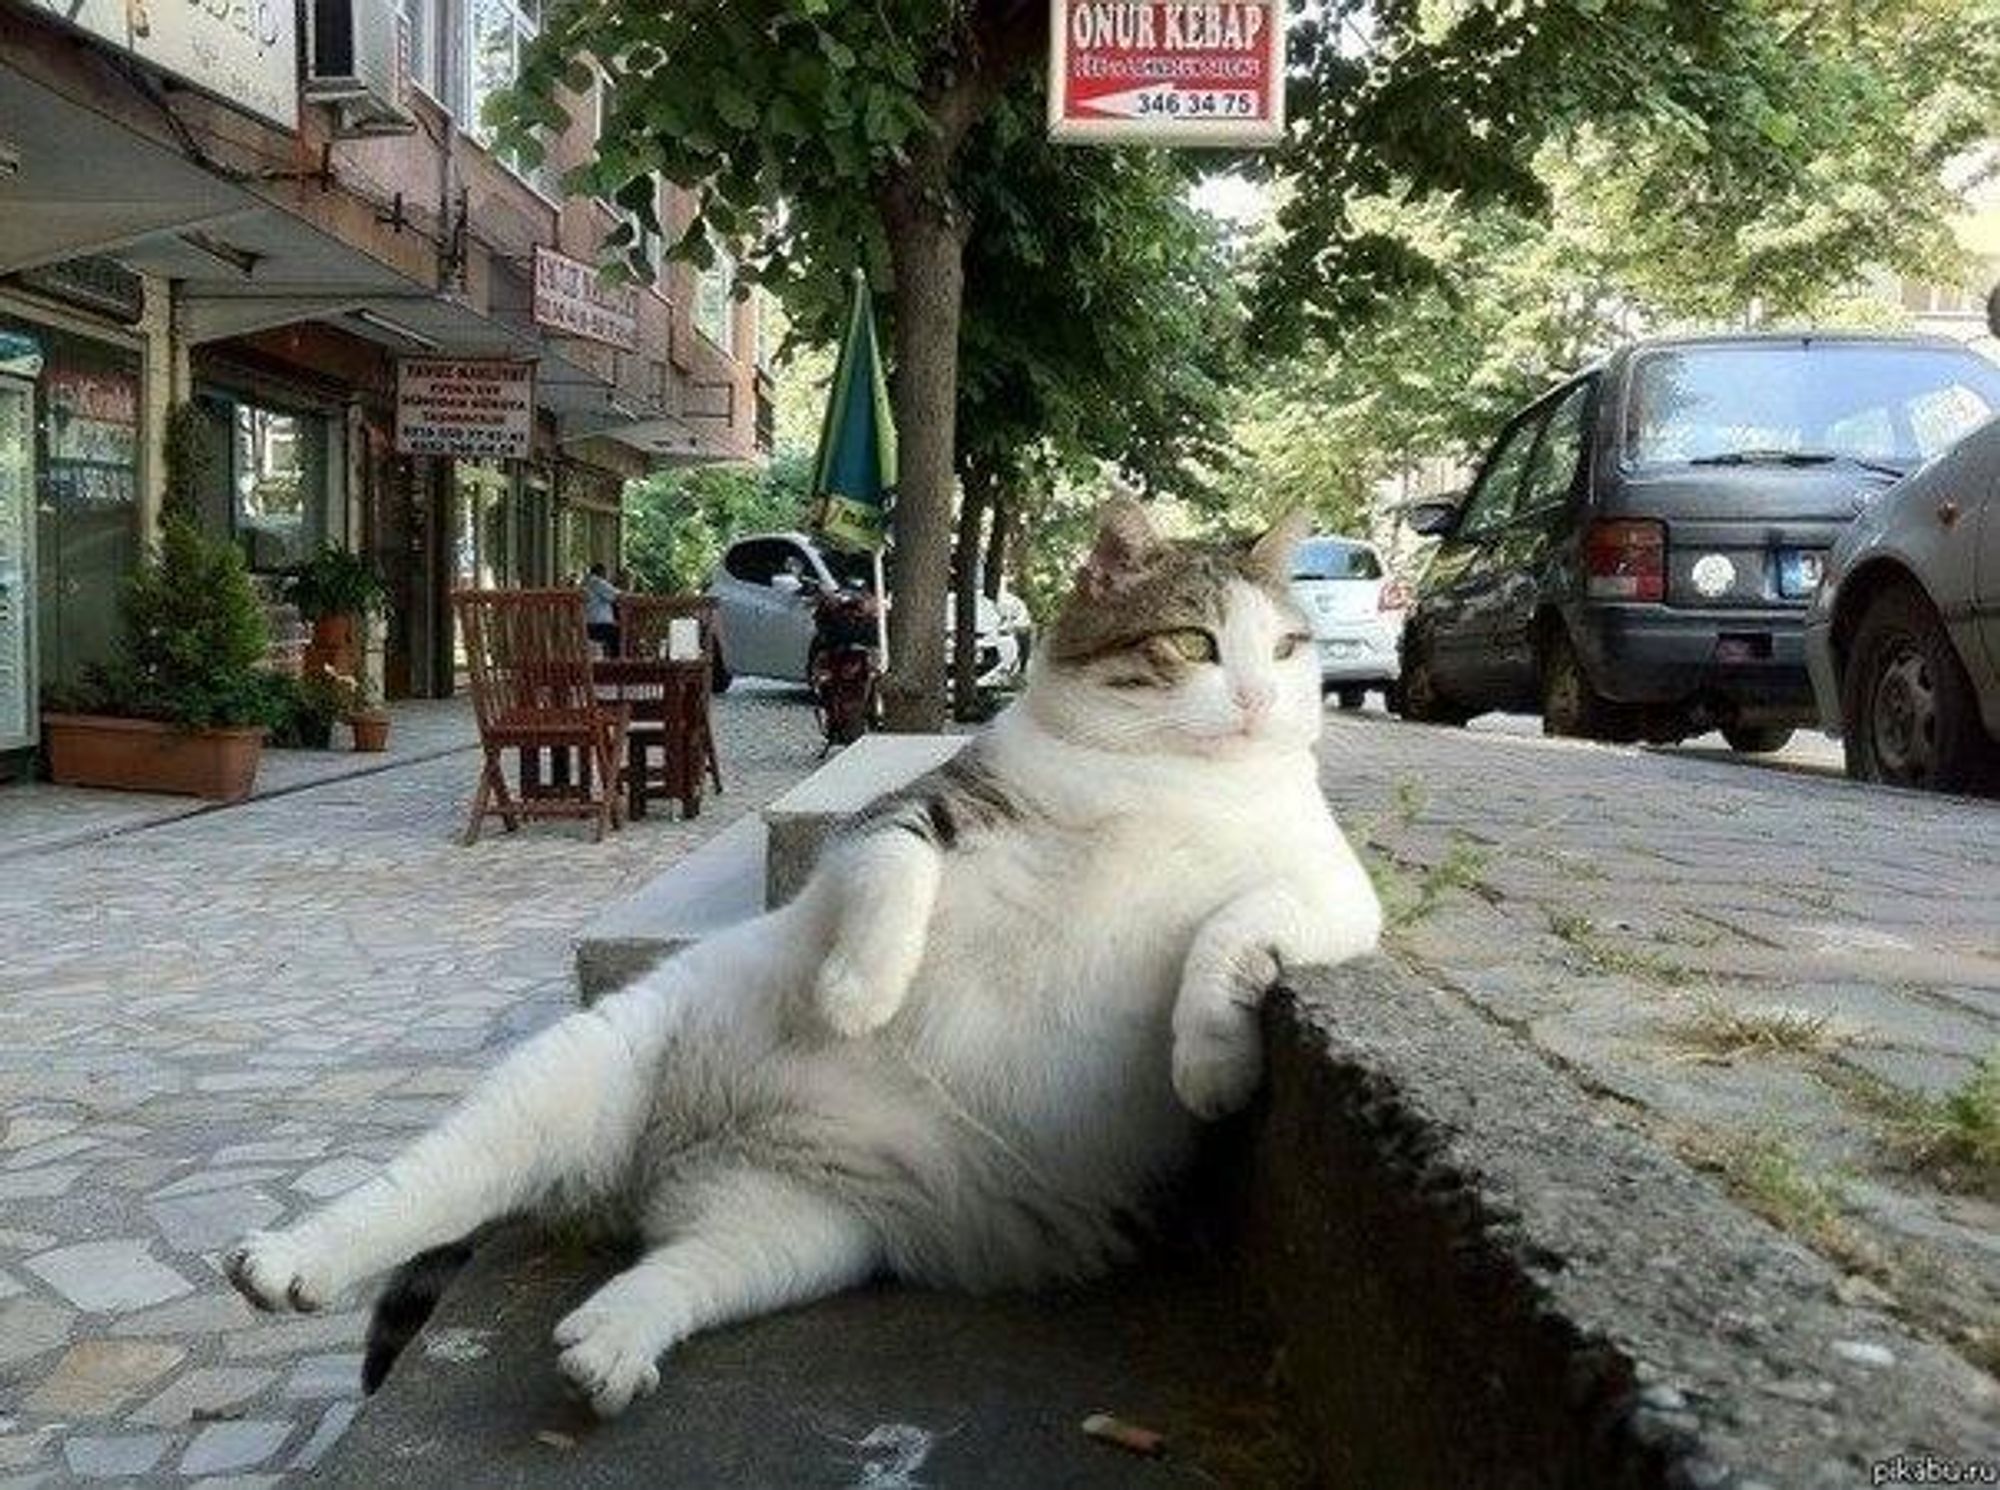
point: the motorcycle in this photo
(843, 667)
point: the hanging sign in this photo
(464, 407)
(244, 53)
(572, 298)
(1167, 73)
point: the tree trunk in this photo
(928, 256)
(926, 230)
(973, 501)
(999, 539)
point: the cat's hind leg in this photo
(738, 1244)
(561, 1110)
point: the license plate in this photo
(1799, 572)
(1340, 648)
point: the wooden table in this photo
(668, 702)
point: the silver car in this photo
(765, 587)
(1356, 611)
(1903, 639)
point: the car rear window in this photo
(1862, 400)
(1335, 558)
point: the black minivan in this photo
(1635, 557)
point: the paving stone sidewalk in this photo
(1784, 976)
(212, 1023)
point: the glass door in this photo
(17, 563)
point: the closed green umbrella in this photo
(854, 479)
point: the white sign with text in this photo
(243, 52)
(473, 408)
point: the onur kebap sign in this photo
(1168, 73)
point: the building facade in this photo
(391, 335)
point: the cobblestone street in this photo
(1786, 976)
(211, 1024)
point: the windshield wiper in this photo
(1797, 458)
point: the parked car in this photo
(1356, 611)
(1635, 557)
(765, 588)
(1903, 638)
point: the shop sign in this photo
(243, 52)
(468, 408)
(1167, 73)
(572, 298)
(20, 355)
(93, 417)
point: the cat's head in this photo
(1180, 648)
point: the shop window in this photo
(280, 471)
(715, 302)
(72, 438)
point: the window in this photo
(715, 302)
(279, 469)
(1552, 475)
(757, 560)
(1492, 501)
(422, 52)
(1813, 399)
(1335, 558)
(497, 32)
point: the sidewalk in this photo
(36, 816)
(222, 1020)
(1794, 981)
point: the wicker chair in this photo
(643, 621)
(528, 657)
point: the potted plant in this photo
(183, 708)
(335, 590)
(368, 720)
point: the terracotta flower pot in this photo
(371, 731)
(335, 644)
(142, 755)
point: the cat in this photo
(980, 1041)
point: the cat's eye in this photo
(1289, 644)
(1192, 644)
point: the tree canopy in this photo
(904, 135)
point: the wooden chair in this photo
(643, 621)
(528, 658)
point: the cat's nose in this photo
(1254, 699)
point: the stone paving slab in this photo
(1613, 902)
(216, 1020)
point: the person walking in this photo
(600, 610)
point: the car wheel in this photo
(1570, 706)
(1757, 739)
(1419, 698)
(1352, 696)
(719, 675)
(1907, 705)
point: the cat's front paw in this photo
(851, 1001)
(275, 1272)
(1217, 1070)
(608, 1357)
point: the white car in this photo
(1356, 612)
(765, 587)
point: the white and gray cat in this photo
(979, 1041)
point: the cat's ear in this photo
(1271, 555)
(1127, 543)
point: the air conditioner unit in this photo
(358, 62)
